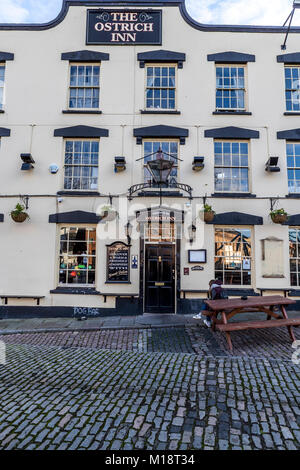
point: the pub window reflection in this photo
(77, 263)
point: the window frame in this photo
(2, 105)
(292, 90)
(58, 255)
(245, 89)
(84, 64)
(248, 141)
(80, 139)
(252, 257)
(161, 65)
(163, 139)
(292, 168)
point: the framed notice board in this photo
(117, 263)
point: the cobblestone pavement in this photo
(269, 343)
(148, 389)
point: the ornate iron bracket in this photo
(138, 187)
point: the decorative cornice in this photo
(231, 57)
(79, 217)
(85, 56)
(292, 134)
(6, 56)
(161, 56)
(231, 132)
(160, 131)
(236, 218)
(293, 58)
(80, 131)
(4, 132)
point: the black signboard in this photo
(118, 262)
(117, 27)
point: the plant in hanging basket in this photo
(18, 214)
(108, 213)
(279, 216)
(208, 213)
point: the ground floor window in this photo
(233, 256)
(294, 239)
(77, 259)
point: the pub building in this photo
(142, 155)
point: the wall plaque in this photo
(118, 27)
(117, 262)
(197, 268)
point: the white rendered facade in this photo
(36, 91)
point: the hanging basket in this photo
(208, 216)
(279, 218)
(19, 217)
(108, 215)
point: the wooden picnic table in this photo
(228, 308)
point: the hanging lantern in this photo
(160, 169)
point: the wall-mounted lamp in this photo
(120, 164)
(27, 161)
(192, 232)
(128, 232)
(272, 165)
(198, 163)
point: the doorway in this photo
(160, 278)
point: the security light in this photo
(272, 165)
(120, 164)
(198, 163)
(27, 161)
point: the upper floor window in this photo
(231, 89)
(161, 87)
(2, 80)
(77, 259)
(81, 164)
(292, 88)
(84, 90)
(233, 255)
(231, 166)
(293, 166)
(170, 149)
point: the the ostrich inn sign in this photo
(118, 27)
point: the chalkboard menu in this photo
(118, 262)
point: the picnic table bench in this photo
(228, 308)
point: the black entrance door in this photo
(160, 278)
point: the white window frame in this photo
(2, 86)
(83, 64)
(78, 285)
(294, 90)
(78, 139)
(297, 258)
(231, 141)
(252, 257)
(161, 65)
(292, 168)
(232, 88)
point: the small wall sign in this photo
(197, 268)
(118, 27)
(134, 261)
(186, 271)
